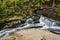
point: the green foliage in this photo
(10, 1)
(2, 8)
(20, 6)
(10, 11)
(58, 9)
(45, 0)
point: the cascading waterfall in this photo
(44, 23)
(50, 24)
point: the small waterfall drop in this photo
(50, 24)
(48, 21)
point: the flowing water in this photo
(44, 23)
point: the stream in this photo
(44, 23)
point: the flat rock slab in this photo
(32, 34)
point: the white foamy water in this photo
(45, 22)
